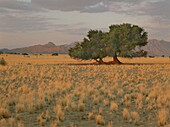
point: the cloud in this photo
(19, 6)
(65, 5)
(97, 8)
(156, 8)
(17, 15)
(79, 31)
(62, 5)
(10, 23)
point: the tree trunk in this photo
(115, 60)
(100, 61)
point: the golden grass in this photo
(100, 120)
(162, 117)
(125, 114)
(113, 107)
(48, 59)
(58, 94)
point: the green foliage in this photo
(121, 40)
(124, 38)
(91, 48)
(3, 62)
(1, 52)
(55, 54)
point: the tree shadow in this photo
(110, 63)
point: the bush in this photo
(1, 52)
(3, 62)
(55, 54)
(151, 56)
(24, 54)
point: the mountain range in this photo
(154, 48)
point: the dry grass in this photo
(60, 94)
(110, 124)
(106, 102)
(162, 117)
(100, 120)
(81, 106)
(12, 122)
(91, 116)
(125, 114)
(4, 112)
(135, 117)
(58, 111)
(3, 123)
(113, 107)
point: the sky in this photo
(29, 22)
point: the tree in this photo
(92, 47)
(123, 39)
(3, 62)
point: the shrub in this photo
(1, 52)
(55, 54)
(24, 54)
(151, 56)
(3, 62)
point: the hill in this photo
(157, 47)
(154, 47)
(41, 49)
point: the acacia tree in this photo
(123, 39)
(92, 47)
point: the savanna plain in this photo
(51, 91)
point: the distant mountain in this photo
(154, 47)
(41, 49)
(157, 47)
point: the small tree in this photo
(1, 52)
(3, 62)
(55, 54)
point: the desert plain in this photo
(51, 91)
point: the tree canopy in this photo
(121, 40)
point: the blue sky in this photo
(29, 22)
